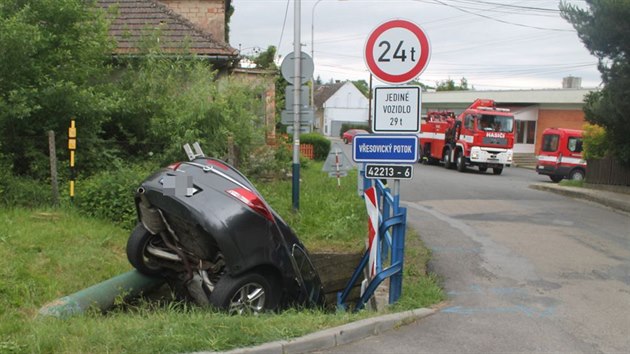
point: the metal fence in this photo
(608, 171)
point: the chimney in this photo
(571, 82)
(207, 15)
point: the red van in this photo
(561, 155)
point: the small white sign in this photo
(396, 109)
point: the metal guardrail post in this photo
(392, 227)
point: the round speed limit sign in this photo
(397, 51)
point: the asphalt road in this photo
(524, 270)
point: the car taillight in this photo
(252, 200)
(174, 166)
(217, 164)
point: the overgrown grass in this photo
(571, 183)
(330, 216)
(47, 254)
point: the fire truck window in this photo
(575, 145)
(468, 123)
(550, 143)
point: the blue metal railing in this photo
(391, 230)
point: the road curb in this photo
(336, 336)
(597, 196)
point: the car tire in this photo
(497, 170)
(137, 251)
(448, 164)
(345, 141)
(249, 293)
(483, 169)
(556, 179)
(576, 175)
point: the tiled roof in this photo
(324, 92)
(133, 20)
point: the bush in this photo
(23, 191)
(321, 145)
(109, 194)
(347, 126)
(595, 142)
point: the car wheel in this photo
(497, 170)
(576, 175)
(447, 159)
(459, 162)
(249, 293)
(345, 141)
(556, 179)
(137, 255)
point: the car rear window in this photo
(550, 142)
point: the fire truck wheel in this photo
(497, 170)
(459, 162)
(576, 175)
(447, 159)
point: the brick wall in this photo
(552, 118)
(208, 15)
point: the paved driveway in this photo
(525, 270)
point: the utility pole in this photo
(297, 105)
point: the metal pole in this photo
(370, 106)
(313, 52)
(297, 105)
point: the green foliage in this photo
(347, 126)
(53, 68)
(603, 28)
(22, 191)
(109, 194)
(596, 143)
(362, 86)
(449, 85)
(266, 59)
(321, 145)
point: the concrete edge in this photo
(336, 336)
(593, 197)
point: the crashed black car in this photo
(206, 229)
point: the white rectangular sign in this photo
(396, 109)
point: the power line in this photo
(284, 22)
(499, 20)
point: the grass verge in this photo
(47, 254)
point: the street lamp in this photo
(313, 51)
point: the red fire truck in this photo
(482, 135)
(561, 155)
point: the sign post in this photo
(396, 52)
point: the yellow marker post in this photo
(72, 146)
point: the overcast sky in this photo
(494, 44)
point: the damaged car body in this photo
(207, 230)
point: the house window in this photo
(525, 131)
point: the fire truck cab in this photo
(561, 155)
(482, 136)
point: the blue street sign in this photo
(385, 148)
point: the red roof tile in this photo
(133, 20)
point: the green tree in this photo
(266, 59)
(53, 55)
(362, 86)
(603, 27)
(449, 85)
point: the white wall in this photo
(346, 105)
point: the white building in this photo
(337, 104)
